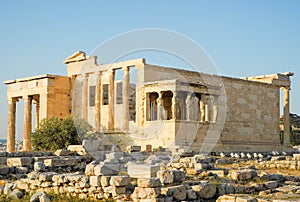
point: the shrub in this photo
(54, 134)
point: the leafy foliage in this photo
(54, 134)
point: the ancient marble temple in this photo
(166, 107)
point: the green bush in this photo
(54, 134)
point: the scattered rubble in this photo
(155, 175)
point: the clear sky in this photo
(244, 38)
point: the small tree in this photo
(54, 134)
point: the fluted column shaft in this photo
(11, 129)
(85, 97)
(188, 106)
(98, 101)
(202, 109)
(37, 113)
(27, 123)
(160, 107)
(111, 103)
(286, 115)
(174, 106)
(126, 87)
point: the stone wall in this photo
(252, 117)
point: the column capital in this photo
(12, 99)
(111, 70)
(36, 102)
(286, 88)
(27, 97)
(126, 68)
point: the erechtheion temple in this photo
(166, 107)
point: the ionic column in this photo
(208, 109)
(111, 103)
(85, 97)
(27, 123)
(215, 109)
(286, 116)
(126, 86)
(202, 109)
(98, 101)
(160, 105)
(37, 113)
(11, 129)
(175, 106)
(188, 106)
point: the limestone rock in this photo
(288, 189)
(104, 168)
(200, 166)
(191, 194)
(142, 170)
(89, 169)
(8, 187)
(178, 192)
(134, 148)
(95, 181)
(19, 162)
(118, 190)
(16, 194)
(226, 198)
(148, 182)
(4, 170)
(243, 175)
(271, 184)
(245, 199)
(112, 158)
(273, 177)
(221, 161)
(105, 181)
(62, 152)
(46, 176)
(39, 197)
(22, 184)
(39, 166)
(165, 176)
(178, 175)
(146, 193)
(79, 149)
(205, 190)
(76, 178)
(119, 180)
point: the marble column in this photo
(188, 106)
(111, 103)
(37, 113)
(160, 106)
(202, 109)
(11, 129)
(286, 116)
(98, 101)
(208, 109)
(126, 89)
(84, 106)
(175, 106)
(215, 109)
(27, 123)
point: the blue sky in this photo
(244, 38)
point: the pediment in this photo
(78, 56)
